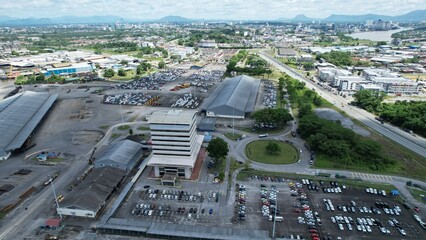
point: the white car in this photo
(349, 227)
(402, 231)
(358, 227)
(333, 220)
(341, 227)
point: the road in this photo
(415, 143)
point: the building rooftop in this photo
(19, 116)
(121, 152)
(94, 190)
(235, 96)
(174, 116)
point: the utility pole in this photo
(121, 112)
(233, 125)
(56, 199)
(275, 215)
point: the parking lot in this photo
(325, 210)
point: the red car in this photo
(316, 238)
(313, 231)
(314, 235)
(297, 210)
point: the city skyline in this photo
(203, 9)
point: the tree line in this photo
(409, 115)
(329, 138)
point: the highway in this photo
(414, 143)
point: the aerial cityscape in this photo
(275, 119)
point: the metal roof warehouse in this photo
(19, 116)
(234, 98)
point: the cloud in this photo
(205, 9)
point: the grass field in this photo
(104, 127)
(232, 136)
(123, 127)
(129, 76)
(256, 151)
(418, 194)
(115, 135)
(142, 128)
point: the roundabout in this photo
(257, 152)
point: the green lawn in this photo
(104, 126)
(123, 127)
(256, 151)
(232, 136)
(418, 194)
(129, 76)
(115, 135)
(142, 128)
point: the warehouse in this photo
(19, 116)
(69, 69)
(92, 194)
(234, 98)
(123, 155)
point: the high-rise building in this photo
(175, 143)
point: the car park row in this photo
(240, 204)
(309, 217)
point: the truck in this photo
(263, 135)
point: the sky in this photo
(206, 9)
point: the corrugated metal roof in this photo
(20, 114)
(92, 193)
(235, 96)
(121, 152)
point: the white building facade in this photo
(175, 143)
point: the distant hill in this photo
(302, 18)
(414, 16)
(6, 18)
(174, 19)
(28, 21)
(91, 19)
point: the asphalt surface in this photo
(415, 143)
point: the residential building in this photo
(175, 142)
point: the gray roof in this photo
(94, 190)
(19, 116)
(207, 124)
(184, 231)
(235, 96)
(121, 152)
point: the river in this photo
(377, 35)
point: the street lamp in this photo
(56, 199)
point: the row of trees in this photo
(272, 116)
(257, 65)
(409, 115)
(41, 78)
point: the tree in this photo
(124, 62)
(272, 148)
(109, 73)
(161, 64)
(218, 148)
(40, 78)
(121, 73)
(277, 117)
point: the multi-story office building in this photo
(175, 143)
